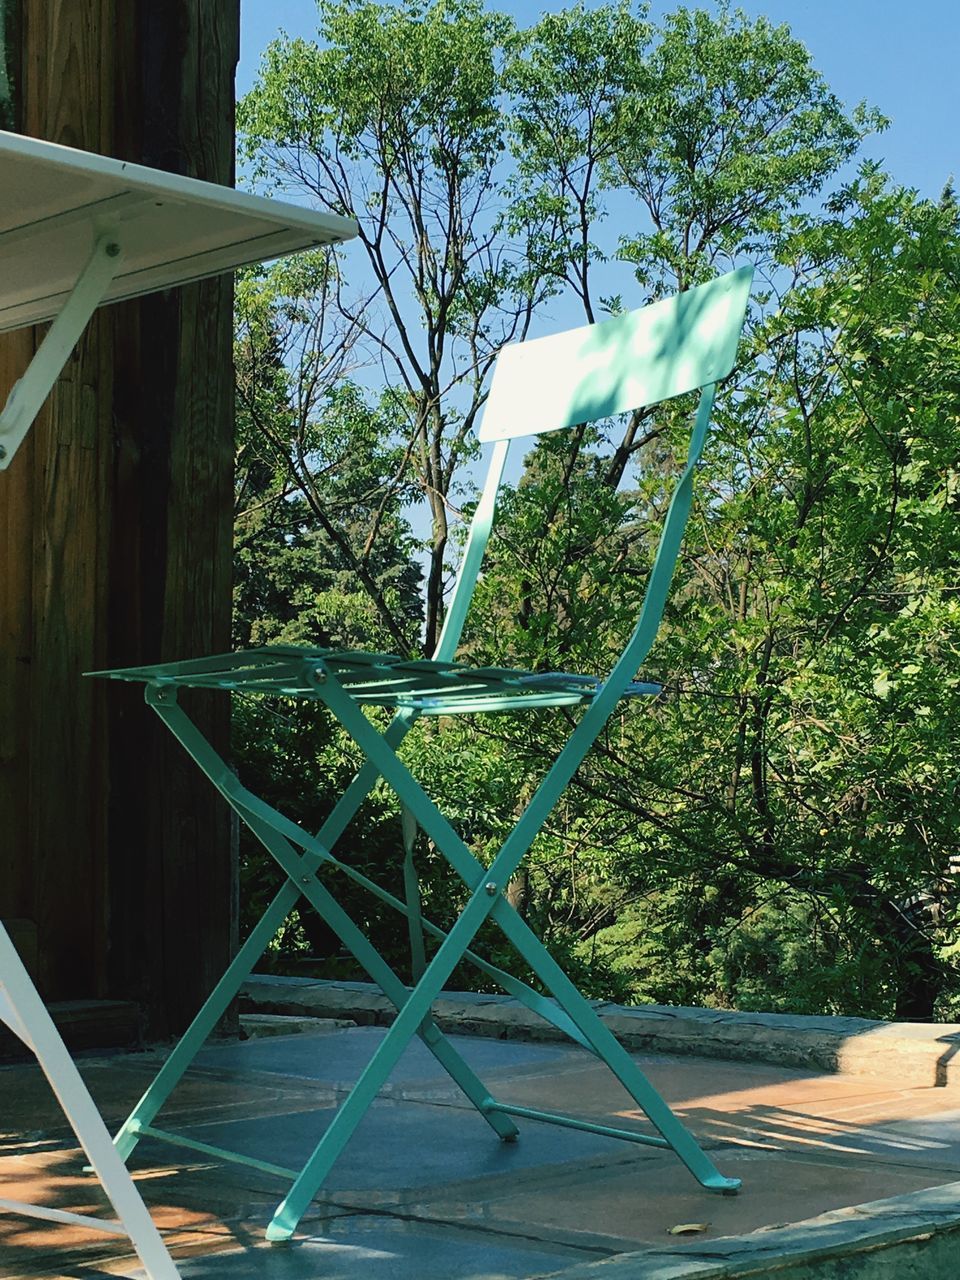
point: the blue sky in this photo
(900, 55)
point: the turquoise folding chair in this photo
(668, 349)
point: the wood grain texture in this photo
(117, 544)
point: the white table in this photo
(78, 231)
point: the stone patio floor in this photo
(425, 1192)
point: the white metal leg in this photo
(24, 1013)
(26, 399)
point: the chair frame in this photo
(659, 339)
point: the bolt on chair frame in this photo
(668, 349)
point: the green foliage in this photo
(777, 829)
(730, 129)
(394, 117)
(570, 78)
(324, 551)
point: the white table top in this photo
(55, 202)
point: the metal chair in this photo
(668, 349)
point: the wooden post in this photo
(115, 541)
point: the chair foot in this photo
(723, 1186)
(278, 1233)
(510, 1137)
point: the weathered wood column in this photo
(115, 539)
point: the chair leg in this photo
(196, 1035)
(301, 882)
(240, 968)
(200, 1029)
(490, 882)
(374, 1076)
(377, 1071)
(611, 1052)
(413, 1017)
(390, 984)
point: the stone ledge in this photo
(258, 1026)
(915, 1235)
(84, 1025)
(918, 1054)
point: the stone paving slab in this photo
(916, 1053)
(757, 1106)
(633, 1204)
(426, 1190)
(116, 1082)
(362, 1247)
(300, 1058)
(911, 1237)
(398, 1146)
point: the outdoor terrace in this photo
(425, 1192)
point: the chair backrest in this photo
(681, 344)
(624, 363)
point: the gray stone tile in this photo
(377, 1248)
(337, 1058)
(398, 1146)
(637, 1203)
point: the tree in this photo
(807, 808)
(770, 829)
(323, 553)
(323, 550)
(396, 119)
(702, 135)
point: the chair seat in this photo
(428, 686)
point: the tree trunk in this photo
(115, 536)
